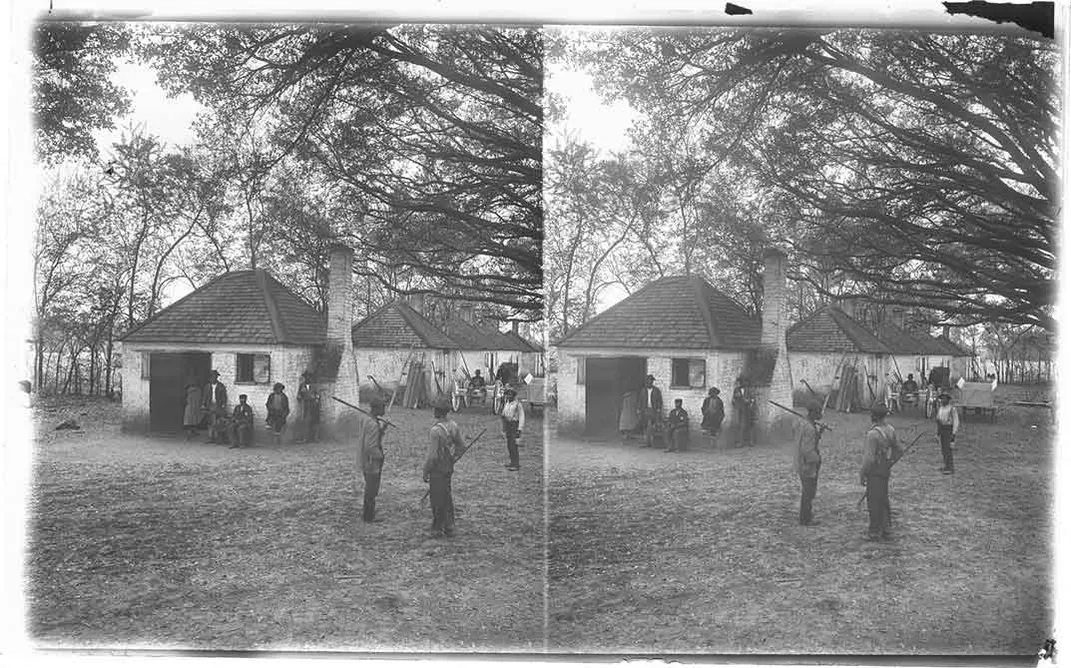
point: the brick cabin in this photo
(687, 334)
(255, 332)
(244, 324)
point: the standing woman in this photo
(191, 413)
(947, 426)
(278, 406)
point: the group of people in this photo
(235, 426)
(648, 409)
(445, 448)
(881, 450)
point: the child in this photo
(677, 430)
(243, 423)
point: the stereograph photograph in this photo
(713, 338)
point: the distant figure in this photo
(445, 447)
(947, 425)
(193, 400)
(744, 412)
(370, 446)
(512, 426)
(808, 462)
(215, 403)
(649, 408)
(909, 391)
(880, 450)
(713, 415)
(278, 407)
(309, 403)
(677, 428)
(477, 382)
(242, 423)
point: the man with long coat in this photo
(215, 404)
(649, 408)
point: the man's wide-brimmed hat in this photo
(214, 373)
(879, 411)
(510, 392)
(945, 395)
(376, 402)
(715, 390)
(649, 377)
(279, 387)
(442, 406)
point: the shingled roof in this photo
(528, 346)
(676, 312)
(902, 342)
(832, 330)
(398, 325)
(951, 348)
(238, 307)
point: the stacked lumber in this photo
(416, 393)
(848, 389)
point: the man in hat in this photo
(909, 391)
(309, 402)
(444, 448)
(649, 408)
(808, 462)
(242, 423)
(370, 450)
(744, 408)
(215, 404)
(677, 427)
(512, 426)
(947, 425)
(278, 407)
(880, 450)
(713, 415)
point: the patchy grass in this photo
(701, 552)
(155, 542)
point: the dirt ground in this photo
(702, 551)
(163, 543)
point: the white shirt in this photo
(514, 412)
(948, 415)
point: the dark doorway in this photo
(168, 375)
(607, 380)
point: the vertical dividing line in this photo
(546, 529)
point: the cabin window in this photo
(254, 368)
(689, 373)
(581, 370)
(146, 366)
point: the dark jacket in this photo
(678, 419)
(713, 411)
(243, 414)
(219, 399)
(284, 411)
(656, 400)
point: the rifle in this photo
(377, 418)
(891, 464)
(455, 460)
(822, 426)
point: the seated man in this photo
(477, 382)
(909, 391)
(242, 423)
(677, 428)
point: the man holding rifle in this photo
(371, 454)
(880, 451)
(444, 449)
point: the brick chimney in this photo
(772, 419)
(515, 325)
(465, 311)
(340, 332)
(898, 316)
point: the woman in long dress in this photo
(191, 415)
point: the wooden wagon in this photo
(976, 395)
